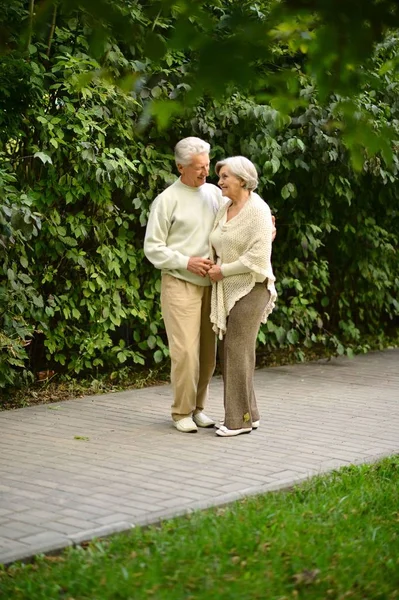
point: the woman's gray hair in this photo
(189, 147)
(242, 168)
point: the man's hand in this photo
(215, 273)
(199, 266)
(274, 230)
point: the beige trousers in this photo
(192, 343)
(237, 357)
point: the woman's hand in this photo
(215, 273)
(199, 266)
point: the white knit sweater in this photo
(246, 238)
(179, 225)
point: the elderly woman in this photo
(243, 292)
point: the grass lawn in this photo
(335, 537)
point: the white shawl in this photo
(247, 237)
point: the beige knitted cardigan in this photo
(247, 237)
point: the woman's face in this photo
(230, 185)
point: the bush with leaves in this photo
(335, 256)
(19, 300)
(84, 160)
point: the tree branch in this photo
(31, 13)
(52, 30)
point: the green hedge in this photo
(82, 160)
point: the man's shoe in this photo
(224, 432)
(186, 425)
(202, 420)
(255, 424)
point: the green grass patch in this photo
(335, 537)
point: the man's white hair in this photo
(242, 168)
(189, 147)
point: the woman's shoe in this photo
(255, 424)
(224, 432)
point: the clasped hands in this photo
(203, 267)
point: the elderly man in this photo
(177, 242)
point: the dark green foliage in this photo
(335, 256)
(88, 126)
(18, 298)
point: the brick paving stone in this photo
(13, 550)
(135, 467)
(136, 504)
(77, 523)
(62, 528)
(126, 512)
(46, 541)
(119, 516)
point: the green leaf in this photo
(280, 334)
(158, 356)
(164, 110)
(275, 164)
(38, 301)
(122, 357)
(45, 158)
(285, 192)
(70, 241)
(115, 319)
(25, 278)
(293, 336)
(151, 341)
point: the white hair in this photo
(240, 167)
(189, 147)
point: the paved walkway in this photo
(88, 467)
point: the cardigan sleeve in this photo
(234, 268)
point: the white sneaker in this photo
(186, 425)
(202, 420)
(224, 432)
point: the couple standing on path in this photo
(213, 247)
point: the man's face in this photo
(196, 172)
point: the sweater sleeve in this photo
(156, 237)
(234, 268)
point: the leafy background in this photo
(91, 105)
